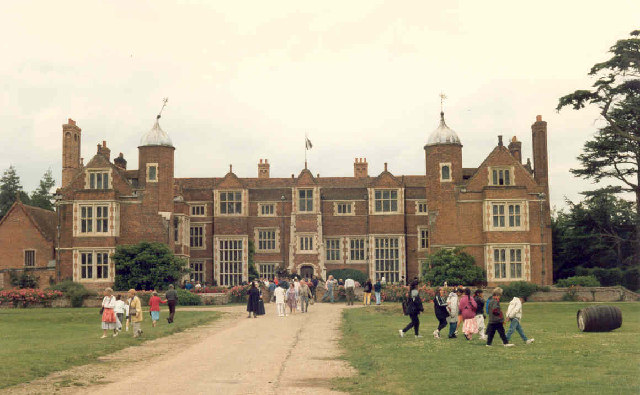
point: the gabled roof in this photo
(504, 151)
(44, 221)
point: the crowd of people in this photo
(462, 310)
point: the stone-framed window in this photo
(423, 238)
(267, 270)
(344, 208)
(387, 258)
(266, 210)
(98, 179)
(511, 262)
(152, 172)
(198, 210)
(197, 271)
(333, 250)
(305, 244)
(357, 250)
(501, 176)
(29, 258)
(506, 215)
(267, 239)
(421, 207)
(230, 253)
(445, 172)
(94, 218)
(94, 265)
(230, 202)
(197, 237)
(386, 200)
(305, 200)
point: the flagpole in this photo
(305, 150)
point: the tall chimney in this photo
(71, 162)
(120, 161)
(539, 145)
(515, 147)
(360, 168)
(263, 168)
(104, 150)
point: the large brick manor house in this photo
(382, 224)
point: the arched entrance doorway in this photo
(306, 271)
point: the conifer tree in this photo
(9, 188)
(42, 197)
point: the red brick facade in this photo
(382, 225)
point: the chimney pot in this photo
(500, 140)
(538, 118)
(385, 166)
(72, 122)
(104, 143)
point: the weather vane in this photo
(442, 99)
(164, 104)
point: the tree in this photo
(456, 267)
(42, 197)
(9, 188)
(614, 153)
(147, 266)
(253, 272)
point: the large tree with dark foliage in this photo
(10, 187)
(42, 197)
(614, 152)
(147, 266)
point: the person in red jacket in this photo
(467, 309)
(154, 302)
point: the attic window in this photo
(501, 176)
(99, 180)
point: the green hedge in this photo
(579, 281)
(344, 274)
(521, 289)
(186, 298)
(629, 278)
(75, 291)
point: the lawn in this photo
(561, 360)
(36, 342)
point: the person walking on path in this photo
(514, 314)
(414, 308)
(279, 296)
(377, 288)
(119, 309)
(172, 300)
(329, 286)
(253, 296)
(314, 288)
(135, 311)
(305, 295)
(496, 319)
(154, 309)
(349, 290)
(271, 290)
(477, 296)
(292, 299)
(108, 315)
(452, 308)
(440, 308)
(367, 292)
(468, 308)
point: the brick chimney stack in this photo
(360, 168)
(539, 145)
(515, 147)
(104, 151)
(71, 161)
(120, 161)
(264, 168)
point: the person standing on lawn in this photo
(440, 308)
(414, 308)
(377, 288)
(253, 300)
(477, 296)
(108, 315)
(496, 319)
(452, 309)
(349, 290)
(119, 309)
(514, 314)
(468, 308)
(367, 292)
(279, 296)
(135, 311)
(154, 309)
(172, 300)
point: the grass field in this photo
(36, 342)
(561, 360)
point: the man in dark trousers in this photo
(172, 300)
(496, 319)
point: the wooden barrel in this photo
(599, 318)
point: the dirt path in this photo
(234, 355)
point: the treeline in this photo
(10, 188)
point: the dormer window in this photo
(231, 202)
(305, 200)
(386, 200)
(98, 179)
(445, 172)
(501, 176)
(152, 172)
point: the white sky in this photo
(247, 79)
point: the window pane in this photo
(495, 177)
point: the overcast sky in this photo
(247, 80)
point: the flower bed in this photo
(27, 297)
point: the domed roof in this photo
(443, 134)
(156, 136)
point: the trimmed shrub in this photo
(344, 274)
(186, 298)
(607, 277)
(578, 281)
(631, 278)
(76, 292)
(521, 289)
(451, 266)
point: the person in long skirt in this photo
(292, 299)
(108, 314)
(468, 308)
(253, 300)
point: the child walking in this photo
(514, 314)
(496, 319)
